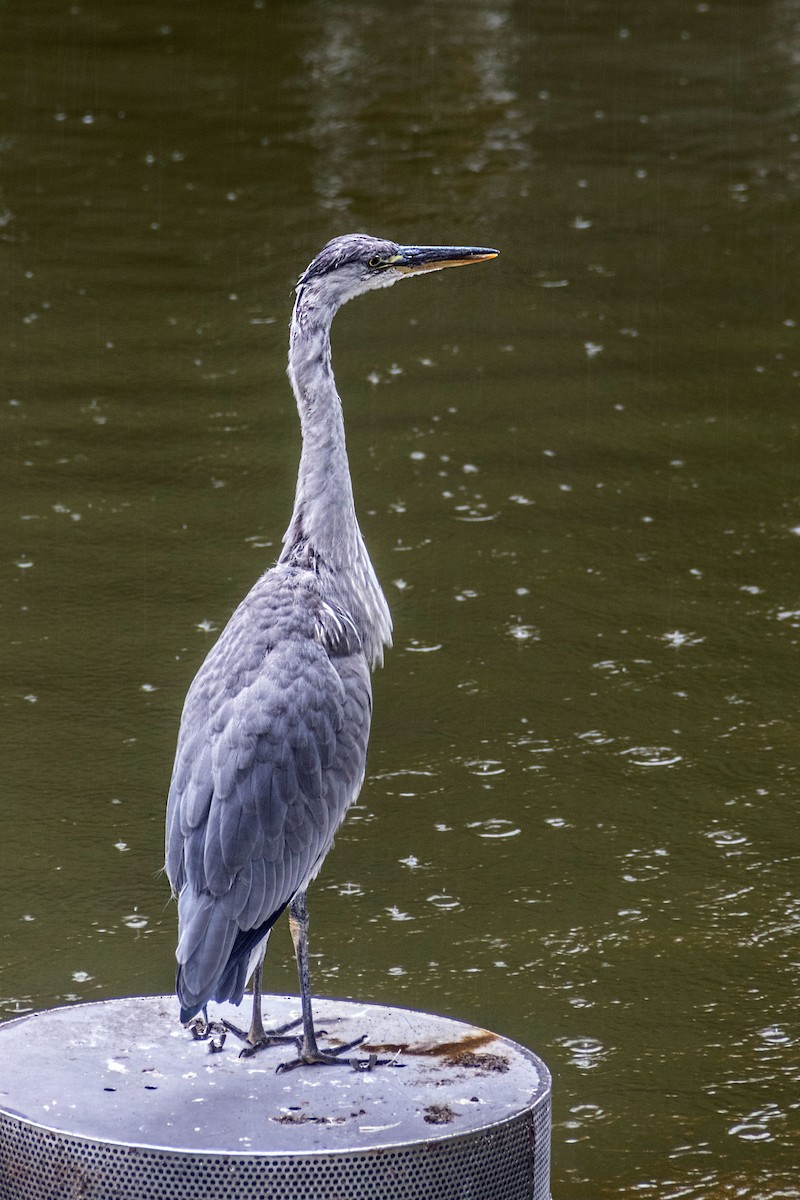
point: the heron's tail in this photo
(215, 957)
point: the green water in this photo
(576, 469)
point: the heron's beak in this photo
(411, 260)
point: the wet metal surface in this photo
(126, 1071)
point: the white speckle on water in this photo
(524, 633)
(676, 638)
(397, 914)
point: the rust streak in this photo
(450, 1050)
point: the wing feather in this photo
(308, 762)
(217, 876)
(194, 847)
(235, 901)
(241, 835)
(205, 943)
(270, 756)
(255, 902)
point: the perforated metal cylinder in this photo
(115, 1101)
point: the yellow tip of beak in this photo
(438, 264)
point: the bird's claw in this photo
(212, 1032)
(252, 1049)
(314, 1057)
(261, 1041)
(365, 1064)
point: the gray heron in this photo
(273, 737)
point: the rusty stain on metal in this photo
(299, 1118)
(482, 1064)
(446, 1050)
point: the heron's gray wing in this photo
(271, 753)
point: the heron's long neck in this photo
(323, 531)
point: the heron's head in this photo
(355, 263)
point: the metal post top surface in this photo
(125, 1071)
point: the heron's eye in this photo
(376, 261)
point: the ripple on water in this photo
(755, 1126)
(595, 737)
(524, 633)
(135, 921)
(15, 1006)
(610, 666)
(775, 1035)
(443, 901)
(651, 756)
(585, 1053)
(726, 839)
(397, 914)
(484, 766)
(347, 889)
(494, 827)
(676, 638)
(792, 615)
(582, 1117)
(703, 1185)
(640, 865)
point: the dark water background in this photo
(577, 472)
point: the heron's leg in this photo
(298, 927)
(256, 1034)
(309, 1052)
(257, 1037)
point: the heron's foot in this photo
(312, 1056)
(260, 1039)
(213, 1032)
